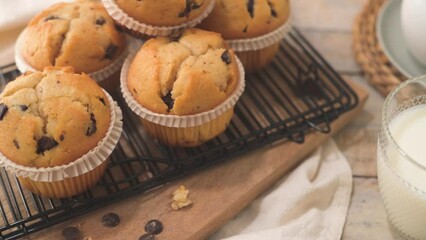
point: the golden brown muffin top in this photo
(163, 12)
(52, 118)
(80, 34)
(185, 74)
(240, 19)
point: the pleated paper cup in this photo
(106, 77)
(187, 130)
(76, 177)
(143, 30)
(256, 53)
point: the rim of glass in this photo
(386, 121)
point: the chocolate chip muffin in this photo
(57, 130)
(252, 27)
(163, 13)
(51, 118)
(185, 75)
(158, 18)
(80, 34)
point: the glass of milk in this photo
(401, 158)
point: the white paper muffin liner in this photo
(175, 120)
(261, 42)
(98, 76)
(84, 164)
(129, 22)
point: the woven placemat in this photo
(368, 52)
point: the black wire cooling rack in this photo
(299, 92)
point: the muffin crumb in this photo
(180, 198)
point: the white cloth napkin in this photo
(311, 202)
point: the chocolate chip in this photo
(72, 233)
(92, 127)
(3, 110)
(102, 101)
(226, 57)
(154, 227)
(100, 21)
(23, 107)
(147, 237)
(250, 8)
(245, 29)
(62, 137)
(110, 220)
(16, 143)
(45, 144)
(168, 100)
(273, 11)
(110, 51)
(51, 18)
(190, 5)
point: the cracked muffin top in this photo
(184, 74)
(240, 19)
(52, 118)
(80, 34)
(163, 12)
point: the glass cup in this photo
(401, 158)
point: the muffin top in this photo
(240, 19)
(80, 34)
(163, 12)
(184, 74)
(52, 118)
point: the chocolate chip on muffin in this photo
(226, 57)
(92, 127)
(3, 110)
(45, 144)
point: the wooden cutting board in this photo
(219, 193)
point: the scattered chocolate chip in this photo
(154, 227)
(92, 127)
(3, 110)
(51, 18)
(273, 11)
(226, 57)
(100, 21)
(190, 5)
(134, 90)
(16, 143)
(45, 144)
(168, 100)
(110, 220)
(72, 233)
(62, 137)
(110, 51)
(250, 8)
(102, 100)
(23, 107)
(147, 237)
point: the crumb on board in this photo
(180, 198)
